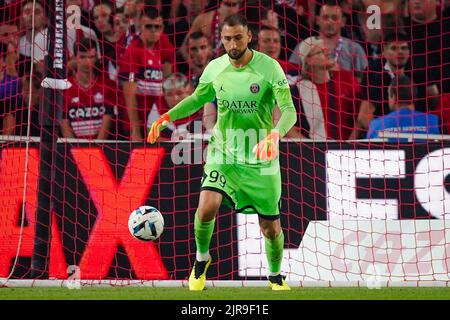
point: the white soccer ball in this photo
(146, 223)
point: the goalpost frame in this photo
(50, 109)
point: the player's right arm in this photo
(203, 93)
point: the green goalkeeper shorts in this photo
(246, 189)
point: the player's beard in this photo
(235, 54)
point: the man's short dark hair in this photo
(197, 35)
(84, 45)
(403, 89)
(395, 36)
(270, 28)
(150, 12)
(235, 20)
(331, 3)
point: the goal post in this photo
(53, 84)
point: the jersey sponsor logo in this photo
(254, 88)
(153, 74)
(239, 106)
(282, 82)
(86, 112)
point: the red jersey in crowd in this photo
(330, 108)
(86, 107)
(144, 66)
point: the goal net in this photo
(365, 170)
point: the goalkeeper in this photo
(242, 168)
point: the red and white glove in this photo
(157, 127)
(267, 148)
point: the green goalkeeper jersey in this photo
(246, 98)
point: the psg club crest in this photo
(254, 88)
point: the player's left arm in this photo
(267, 149)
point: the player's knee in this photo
(270, 229)
(207, 210)
(209, 204)
(270, 233)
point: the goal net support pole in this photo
(49, 114)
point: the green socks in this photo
(203, 234)
(274, 253)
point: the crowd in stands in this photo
(129, 61)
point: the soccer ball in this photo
(146, 223)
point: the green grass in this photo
(127, 293)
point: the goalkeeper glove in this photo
(267, 148)
(157, 127)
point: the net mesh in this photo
(351, 209)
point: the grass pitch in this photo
(130, 293)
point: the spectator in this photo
(351, 29)
(28, 46)
(429, 42)
(327, 98)
(10, 95)
(78, 6)
(373, 37)
(142, 68)
(89, 103)
(120, 24)
(183, 14)
(132, 10)
(40, 45)
(403, 118)
(104, 25)
(430, 49)
(350, 8)
(30, 103)
(395, 61)
(9, 38)
(259, 16)
(200, 53)
(74, 35)
(293, 24)
(347, 54)
(269, 42)
(209, 24)
(121, 27)
(10, 10)
(103, 21)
